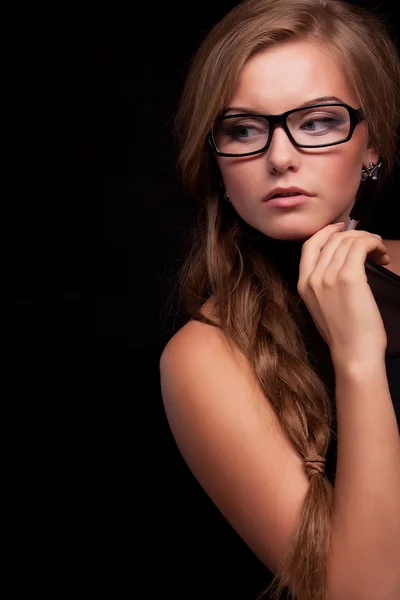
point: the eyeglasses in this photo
(246, 134)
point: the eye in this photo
(246, 129)
(318, 124)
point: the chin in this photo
(298, 230)
(293, 234)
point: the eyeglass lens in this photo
(309, 127)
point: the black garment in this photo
(385, 287)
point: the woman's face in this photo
(278, 79)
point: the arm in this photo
(365, 547)
(231, 440)
(365, 544)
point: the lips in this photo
(287, 201)
(289, 191)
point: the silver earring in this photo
(226, 195)
(366, 171)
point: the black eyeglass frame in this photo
(356, 117)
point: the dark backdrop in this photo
(97, 497)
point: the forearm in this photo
(365, 546)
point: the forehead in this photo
(287, 75)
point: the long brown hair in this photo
(258, 313)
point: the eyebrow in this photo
(310, 102)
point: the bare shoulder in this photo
(231, 439)
(194, 339)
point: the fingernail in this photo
(378, 236)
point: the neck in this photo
(285, 254)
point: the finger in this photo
(357, 255)
(311, 250)
(380, 254)
(328, 272)
(328, 251)
(385, 260)
(340, 255)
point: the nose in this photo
(281, 154)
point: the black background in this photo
(93, 225)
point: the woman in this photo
(286, 343)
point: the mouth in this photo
(286, 193)
(287, 201)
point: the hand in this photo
(333, 285)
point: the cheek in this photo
(342, 178)
(334, 177)
(244, 179)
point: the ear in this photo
(370, 156)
